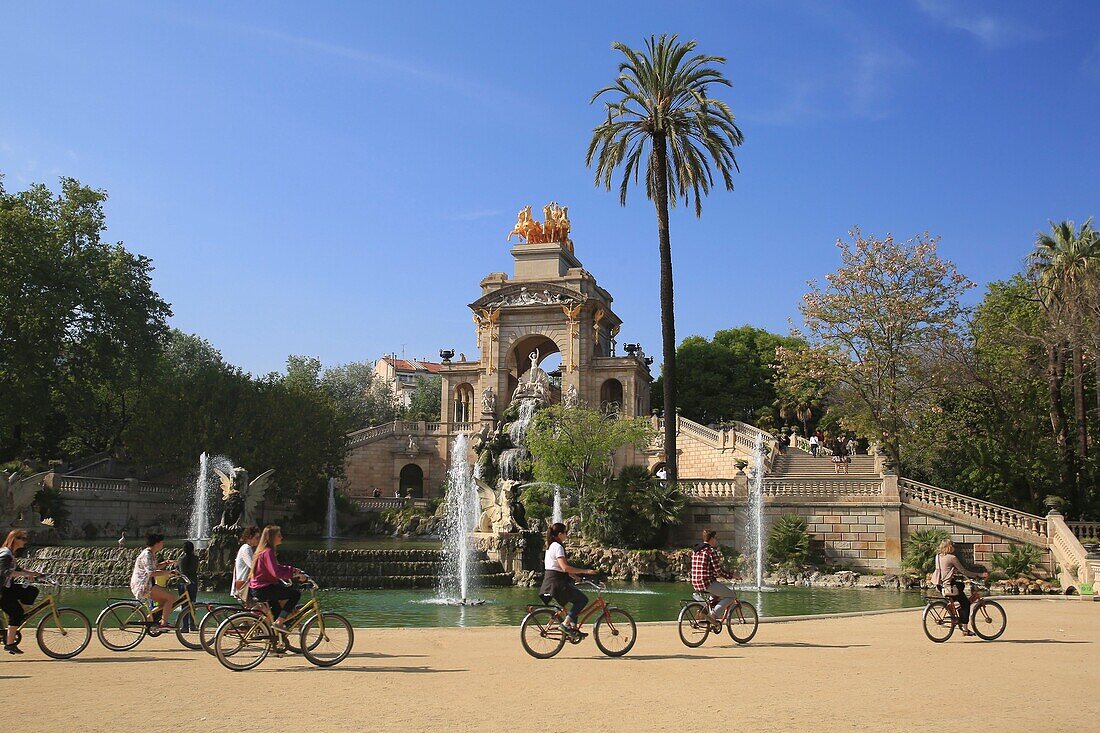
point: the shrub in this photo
(1018, 561)
(50, 503)
(789, 542)
(921, 547)
(633, 511)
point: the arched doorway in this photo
(611, 396)
(549, 359)
(412, 480)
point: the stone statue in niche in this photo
(489, 401)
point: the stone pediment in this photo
(520, 295)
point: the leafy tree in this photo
(882, 324)
(360, 398)
(789, 542)
(573, 446)
(921, 548)
(80, 324)
(633, 511)
(803, 381)
(728, 377)
(662, 118)
(426, 400)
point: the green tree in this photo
(574, 446)
(882, 324)
(80, 324)
(728, 377)
(662, 118)
(1066, 266)
(426, 400)
(360, 398)
(803, 382)
(634, 511)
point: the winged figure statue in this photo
(17, 496)
(241, 497)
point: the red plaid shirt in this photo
(705, 567)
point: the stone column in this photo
(891, 517)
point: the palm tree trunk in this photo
(668, 326)
(1079, 411)
(1055, 371)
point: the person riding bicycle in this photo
(557, 581)
(706, 569)
(146, 571)
(14, 595)
(267, 576)
(242, 566)
(953, 587)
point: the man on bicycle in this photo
(706, 569)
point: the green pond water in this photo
(507, 606)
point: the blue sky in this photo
(335, 180)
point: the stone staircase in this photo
(797, 463)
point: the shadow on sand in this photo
(338, 668)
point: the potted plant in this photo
(1054, 504)
(740, 463)
(1091, 545)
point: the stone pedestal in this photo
(515, 551)
(216, 565)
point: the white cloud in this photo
(991, 30)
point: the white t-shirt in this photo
(243, 566)
(553, 552)
(813, 440)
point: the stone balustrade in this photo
(88, 484)
(1073, 561)
(1028, 524)
(708, 488)
(822, 487)
(1083, 530)
(803, 443)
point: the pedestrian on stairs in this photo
(815, 441)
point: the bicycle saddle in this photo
(701, 596)
(545, 598)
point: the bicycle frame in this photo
(596, 607)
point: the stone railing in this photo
(708, 487)
(707, 435)
(382, 502)
(1083, 530)
(825, 486)
(984, 511)
(88, 484)
(1073, 561)
(745, 435)
(368, 434)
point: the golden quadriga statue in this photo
(554, 227)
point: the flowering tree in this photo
(879, 326)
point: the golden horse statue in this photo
(554, 227)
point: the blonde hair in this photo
(267, 542)
(12, 536)
(947, 547)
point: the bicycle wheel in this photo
(211, 620)
(190, 637)
(242, 641)
(121, 626)
(988, 620)
(541, 633)
(292, 639)
(694, 625)
(939, 622)
(743, 622)
(615, 632)
(66, 635)
(326, 639)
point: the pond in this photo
(507, 606)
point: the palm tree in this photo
(1066, 263)
(662, 118)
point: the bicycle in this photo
(941, 616)
(245, 639)
(63, 632)
(695, 623)
(124, 623)
(215, 614)
(543, 635)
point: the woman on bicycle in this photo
(558, 580)
(266, 580)
(242, 566)
(14, 595)
(188, 566)
(147, 570)
(949, 577)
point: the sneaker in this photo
(12, 649)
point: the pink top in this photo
(267, 571)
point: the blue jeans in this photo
(579, 601)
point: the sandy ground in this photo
(875, 673)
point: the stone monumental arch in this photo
(549, 305)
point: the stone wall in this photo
(972, 545)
